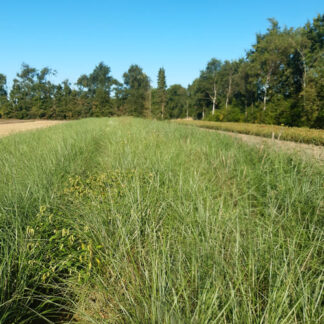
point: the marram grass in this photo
(134, 221)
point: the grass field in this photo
(135, 221)
(295, 134)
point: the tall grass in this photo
(34, 166)
(125, 220)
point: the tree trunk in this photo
(300, 51)
(304, 77)
(150, 103)
(265, 100)
(266, 91)
(162, 110)
(163, 100)
(214, 99)
(228, 92)
(187, 110)
(213, 111)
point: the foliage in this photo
(177, 101)
(136, 89)
(98, 87)
(279, 81)
(161, 91)
(3, 94)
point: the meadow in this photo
(294, 134)
(127, 220)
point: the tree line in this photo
(279, 81)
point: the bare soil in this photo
(10, 126)
(307, 150)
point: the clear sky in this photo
(72, 36)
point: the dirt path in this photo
(308, 150)
(8, 127)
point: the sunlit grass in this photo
(295, 134)
(126, 220)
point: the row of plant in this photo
(295, 134)
(46, 249)
(137, 221)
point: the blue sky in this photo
(72, 36)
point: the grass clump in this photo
(160, 223)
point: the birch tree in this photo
(210, 81)
(270, 54)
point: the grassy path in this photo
(309, 151)
(294, 134)
(129, 220)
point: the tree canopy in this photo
(279, 81)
